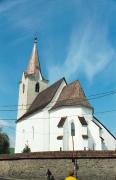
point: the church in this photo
(58, 117)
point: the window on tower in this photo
(37, 87)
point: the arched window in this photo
(23, 88)
(37, 87)
(72, 129)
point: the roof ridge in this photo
(73, 82)
(51, 86)
(73, 94)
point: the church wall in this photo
(36, 133)
(40, 121)
(65, 136)
(22, 96)
(94, 137)
(27, 96)
(109, 141)
(31, 94)
(72, 114)
(40, 131)
(78, 141)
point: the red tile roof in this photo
(72, 95)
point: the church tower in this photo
(32, 82)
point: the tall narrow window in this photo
(37, 87)
(72, 129)
(23, 88)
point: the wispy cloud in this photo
(19, 17)
(6, 6)
(89, 53)
(6, 123)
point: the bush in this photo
(4, 143)
(26, 149)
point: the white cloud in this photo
(7, 123)
(3, 123)
(89, 53)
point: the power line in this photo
(99, 112)
(103, 94)
(64, 100)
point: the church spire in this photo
(34, 65)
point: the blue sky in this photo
(76, 39)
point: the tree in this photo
(4, 143)
(26, 149)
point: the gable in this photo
(43, 99)
(72, 95)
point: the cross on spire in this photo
(35, 38)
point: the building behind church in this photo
(57, 117)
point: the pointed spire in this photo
(34, 66)
(35, 38)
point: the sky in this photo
(76, 40)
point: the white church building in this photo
(58, 117)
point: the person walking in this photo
(48, 174)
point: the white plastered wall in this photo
(40, 123)
(109, 140)
(27, 97)
(72, 114)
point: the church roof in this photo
(34, 63)
(43, 99)
(72, 95)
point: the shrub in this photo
(4, 143)
(26, 149)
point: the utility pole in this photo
(73, 159)
(73, 134)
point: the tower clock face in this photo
(37, 87)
